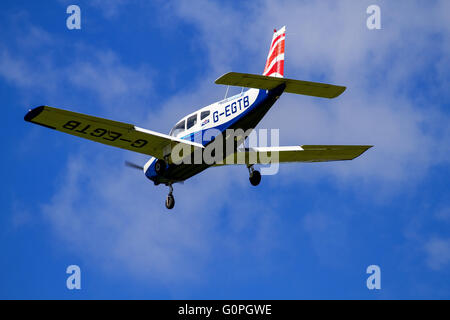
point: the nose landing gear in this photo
(170, 200)
(255, 176)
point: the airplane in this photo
(243, 111)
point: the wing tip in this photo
(363, 150)
(33, 113)
(340, 90)
(222, 78)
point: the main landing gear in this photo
(170, 201)
(255, 176)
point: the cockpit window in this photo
(204, 114)
(177, 129)
(191, 121)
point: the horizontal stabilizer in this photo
(314, 89)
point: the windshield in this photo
(177, 129)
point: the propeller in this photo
(134, 166)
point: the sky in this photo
(309, 232)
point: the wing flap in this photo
(109, 132)
(308, 88)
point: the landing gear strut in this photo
(255, 176)
(170, 201)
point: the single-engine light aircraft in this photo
(240, 112)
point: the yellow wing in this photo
(112, 133)
(295, 154)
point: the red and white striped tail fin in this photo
(275, 59)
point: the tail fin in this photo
(275, 59)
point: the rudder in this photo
(275, 59)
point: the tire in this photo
(255, 178)
(170, 202)
(160, 167)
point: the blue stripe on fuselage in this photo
(258, 108)
(197, 135)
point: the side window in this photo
(204, 115)
(177, 129)
(191, 121)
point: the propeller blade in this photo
(133, 165)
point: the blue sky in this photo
(309, 232)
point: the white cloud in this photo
(422, 239)
(110, 9)
(116, 216)
(444, 215)
(327, 234)
(438, 253)
(121, 91)
(329, 41)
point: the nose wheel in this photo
(255, 176)
(170, 200)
